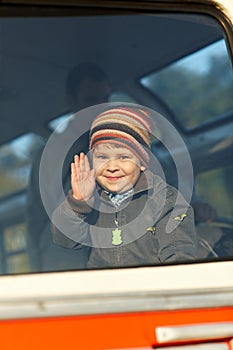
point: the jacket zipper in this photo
(118, 248)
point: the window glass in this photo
(18, 263)
(14, 245)
(215, 187)
(215, 190)
(197, 88)
(122, 97)
(15, 163)
(50, 65)
(60, 123)
(15, 238)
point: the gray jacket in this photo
(154, 225)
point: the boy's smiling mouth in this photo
(113, 178)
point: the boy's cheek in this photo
(98, 167)
(95, 164)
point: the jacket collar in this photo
(145, 182)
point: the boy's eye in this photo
(124, 157)
(101, 157)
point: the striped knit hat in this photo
(126, 126)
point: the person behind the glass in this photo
(116, 205)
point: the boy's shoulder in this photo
(158, 184)
(160, 188)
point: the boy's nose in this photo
(112, 165)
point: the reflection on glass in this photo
(204, 79)
(15, 238)
(18, 263)
(15, 163)
(60, 123)
(119, 96)
(215, 187)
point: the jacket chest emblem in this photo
(180, 218)
(151, 229)
(116, 236)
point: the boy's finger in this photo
(76, 161)
(87, 165)
(78, 164)
(82, 162)
(73, 173)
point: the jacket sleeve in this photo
(176, 232)
(70, 228)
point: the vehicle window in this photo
(14, 249)
(204, 77)
(214, 187)
(16, 158)
(122, 96)
(215, 190)
(58, 73)
(15, 162)
(62, 121)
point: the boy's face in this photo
(117, 168)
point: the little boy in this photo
(117, 206)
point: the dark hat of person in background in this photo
(87, 84)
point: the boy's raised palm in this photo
(82, 178)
